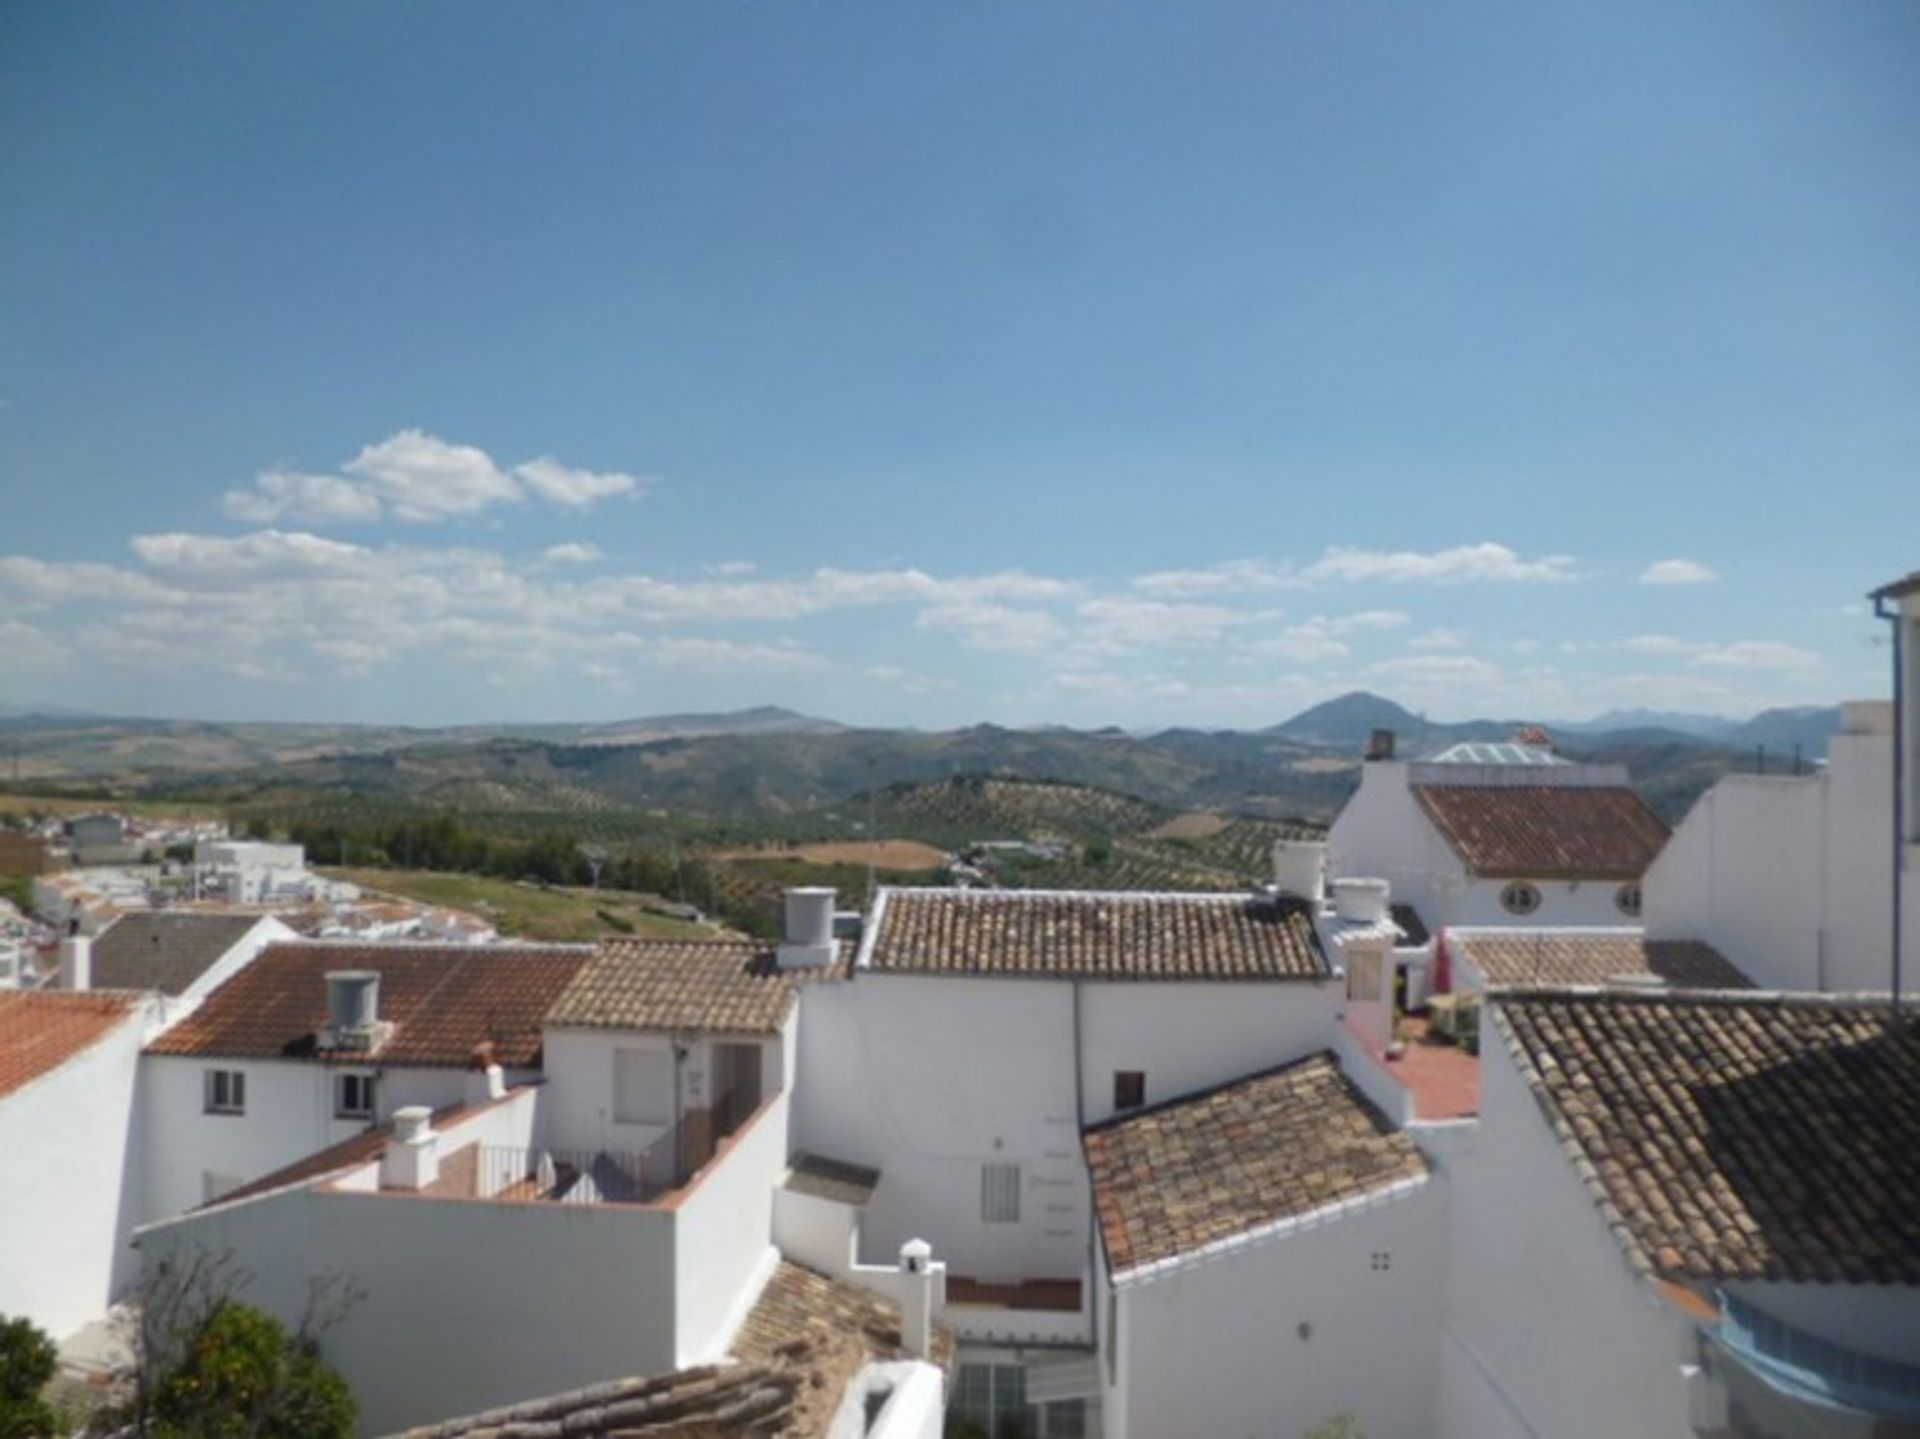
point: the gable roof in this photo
(1734, 1136)
(723, 985)
(1545, 958)
(444, 1001)
(165, 950)
(1196, 1171)
(41, 1030)
(1546, 831)
(1057, 934)
(1898, 589)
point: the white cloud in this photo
(992, 627)
(1225, 577)
(423, 477)
(1760, 655)
(732, 569)
(575, 552)
(1677, 572)
(1465, 564)
(576, 489)
(279, 495)
(260, 553)
(1439, 638)
(1113, 624)
(1323, 637)
(1659, 645)
(414, 475)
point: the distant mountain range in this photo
(770, 762)
(1351, 718)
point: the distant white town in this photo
(1504, 1112)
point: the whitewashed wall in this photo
(67, 1206)
(1791, 878)
(462, 1298)
(926, 1080)
(1190, 1037)
(579, 1064)
(1219, 1349)
(723, 1236)
(1547, 1331)
(289, 1115)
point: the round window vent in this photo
(1626, 899)
(1520, 898)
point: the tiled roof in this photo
(1095, 935)
(801, 1344)
(1546, 832)
(1734, 1137)
(1183, 1175)
(832, 1179)
(165, 950)
(1548, 958)
(40, 1031)
(1898, 589)
(730, 985)
(443, 1001)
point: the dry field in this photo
(889, 854)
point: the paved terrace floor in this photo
(1444, 1078)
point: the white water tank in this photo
(353, 1000)
(809, 932)
(1300, 868)
(1361, 901)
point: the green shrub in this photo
(27, 1361)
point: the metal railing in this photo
(568, 1176)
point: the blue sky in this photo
(1090, 364)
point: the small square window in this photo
(1129, 1088)
(353, 1096)
(225, 1091)
(1000, 1193)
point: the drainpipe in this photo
(1899, 776)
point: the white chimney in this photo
(916, 1298)
(485, 1082)
(412, 1160)
(76, 962)
(1300, 868)
(809, 937)
(1361, 901)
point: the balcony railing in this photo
(1813, 1370)
(569, 1176)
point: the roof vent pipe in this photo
(809, 935)
(1300, 869)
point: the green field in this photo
(525, 911)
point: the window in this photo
(993, 1398)
(226, 1091)
(1626, 899)
(353, 1096)
(1520, 898)
(642, 1086)
(1129, 1088)
(1000, 1193)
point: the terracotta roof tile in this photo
(40, 1031)
(722, 985)
(1095, 935)
(1548, 958)
(1546, 831)
(442, 1000)
(1734, 1136)
(1183, 1175)
(165, 950)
